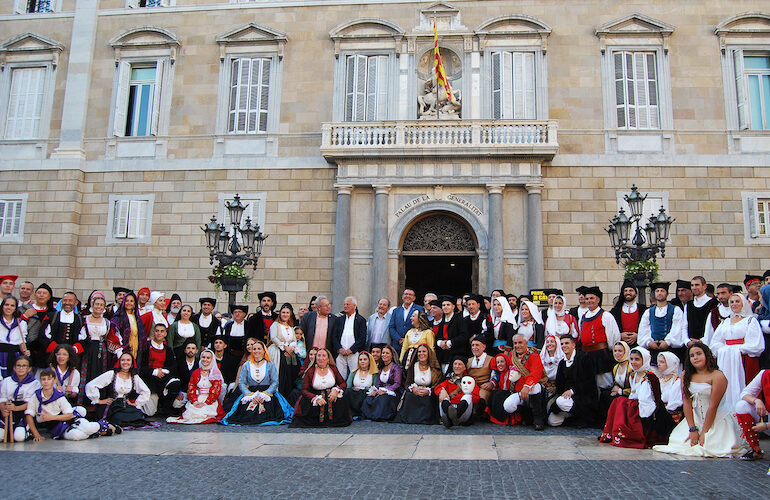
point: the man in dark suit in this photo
(401, 318)
(349, 337)
(318, 325)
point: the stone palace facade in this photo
(125, 124)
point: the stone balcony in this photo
(527, 140)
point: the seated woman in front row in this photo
(15, 391)
(382, 402)
(260, 402)
(639, 420)
(360, 381)
(49, 409)
(456, 395)
(668, 372)
(419, 404)
(122, 393)
(203, 391)
(322, 403)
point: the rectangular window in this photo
(513, 86)
(249, 95)
(141, 96)
(38, 6)
(763, 217)
(130, 219)
(139, 4)
(11, 219)
(636, 90)
(255, 209)
(753, 90)
(25, 103)
(366, 88)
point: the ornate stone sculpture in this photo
(426, 103)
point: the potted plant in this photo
(231, 278)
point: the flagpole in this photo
(435, 69)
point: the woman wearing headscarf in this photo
(499, 327)
(419, 405)
(122, 392)
(763, 316)
(420, 333)
(559, 321)
(551, 355)
(128, 325)
(203, 394)
(283, 349)
(639, 420)
(382, 401)
(101, 341)
(709, 428)
(360, 380)
(500, 377)
(737, 344)
(322, 403)
(531, 324)
(621, 377)
(260, 402)
(668, 372)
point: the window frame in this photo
(749, 203)
(247, 199)
(146, 238)
(161, 97)
(20, 7)
(225, 85)
(44, 127)
(540, 80)
(730, 76)
(15, 238)
(339, 100)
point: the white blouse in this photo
(620, 376)
(16, 336)
(282, 336)
(96, 331)
(362, 380)
(422, 378)
(384, 375)
(185, 330)
(8, 387)
(321, 382)
(257, 372)
(122, 387)
(59, 407)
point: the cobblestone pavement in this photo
(367, 460)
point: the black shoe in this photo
(445, 414)
(452, 414)
(462, 407)
(539, 427)
(752, 455)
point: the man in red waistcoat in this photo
(751, 412)
(158, 368)
(628, 313)
(598, 333)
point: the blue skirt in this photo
(277, 411)
(382, 407)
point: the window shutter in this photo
(3, 210)
(508, 93)
(497, 90)
(740, 88)
(157, 90)
(121, 99)
(132, 4)
(640, 83)
(382, 88)
(373, 77)
(15, 217)
(620, 89)
(350, 85)
(253, 87)
(120, 219)
(264, 95)
(528, 75)
(751, 212)
(360, 88)
(137, 218)
(25, 103)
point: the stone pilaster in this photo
(380, 243)
(495, 269)
(535, 263)
(341, 280)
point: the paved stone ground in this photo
(144, 476)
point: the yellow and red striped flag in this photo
(440, 73)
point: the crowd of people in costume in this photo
(688, 376)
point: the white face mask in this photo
(467, 385)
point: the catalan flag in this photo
(440, 73)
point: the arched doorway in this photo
(439, 254)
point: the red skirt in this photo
(624, 426)
(750, 367)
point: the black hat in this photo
(628, 284)
(751, 278)
(211, 301)
(480, 338)
(268, 294)
(554, 291)
(476, 298)
(736, 288)
(191, 340)
(660, 284)
(174, 296)
(245, 309)
(287, 304)
(223, 338)
(461, 358)
(581, 289)
(766, 274)
(448, 298)
(435, 302)
(45, 286)
(683, 284)
(119, 289)
(593, 290)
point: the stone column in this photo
(380, 243)
(341, 281)
(535, 265)
(76, 89)
(495, 260)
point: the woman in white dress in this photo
(737, 344)
(709, 428)
(559, 321)
(203, 405)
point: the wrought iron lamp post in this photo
(226, 247)
(646, 241)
